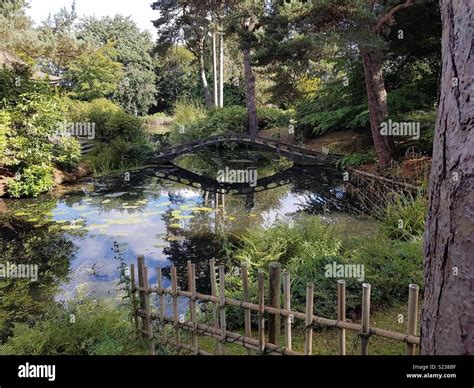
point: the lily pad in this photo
(202, 209)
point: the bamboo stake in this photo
(192, 305)
(412, 316)
(174, 286)
(162, 305)
(246, 298)
(148, 311)
(261, 311)
(134, 298)
(364, 342)
(308, 346)
(287, 306)
(215, 304)
(274, 296)
(141, 285)
(222, 306)
(341, 314)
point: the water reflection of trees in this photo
(23, 242)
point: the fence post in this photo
(212, 273)
(412, 316)
(261, 311)
(246, 298)
(287, 306)
(222, 306)
(141, 285)
(133, 299)
(192, 305)
(341, 314)
(364, 342)
(308, 345)
(274, 300)
(174, 287)
(148, 311)
(162, 305)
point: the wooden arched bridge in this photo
(189, 178)
(298, 155)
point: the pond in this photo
(170, 214)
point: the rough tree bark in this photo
(250, 92)
(378, 109)
(448, 308)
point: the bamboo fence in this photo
(266, 341)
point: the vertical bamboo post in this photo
(222, 307)
(141, 285)
(364, 342)
(274, 300)
(212, 273)
(308, 345)
(412, 316)
(148, 311)
(134, 298)
(246, 298)
(341, 314)
(162, 305)
(261, 311)
(192, 305)
(287, 306)
(174, 287)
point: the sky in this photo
(139, 10)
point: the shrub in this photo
(32, 181)
(67, 153)
(355, 160)
(403, 217)
(100, 328)
(187, 111)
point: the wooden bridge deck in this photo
(299, 155)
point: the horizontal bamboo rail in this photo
(219, 332)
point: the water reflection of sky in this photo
(148, 214)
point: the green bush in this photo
(120, 154)
(100, 328)
(187, 111)
(355, 160)
(309, 246)
(232, 119)
(403, 216)
(67, 153)
(31, 182)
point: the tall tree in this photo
(448, 308)
(188, 22)
(136, 91)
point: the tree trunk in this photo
(221, 78)
(378, 110)
(250, 93)
(215, 68)
(205, 85)
(448, 309)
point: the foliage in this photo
(176, 78)
(120, 154)
(355, 160)
(403, 216)
(136, 90)
(187, 112)
(32, 181)
(67, 153)
(94, 74)
(100, 328)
